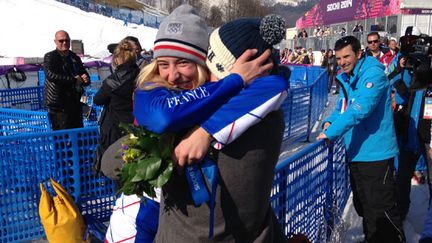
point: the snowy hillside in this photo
(28, 28)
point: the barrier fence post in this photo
(291, 98)
(76, 165)
(309, 126)
(283, 200)
(330, 202)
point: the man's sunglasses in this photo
(372, 41)
(64, 40)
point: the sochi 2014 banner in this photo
(335, 11)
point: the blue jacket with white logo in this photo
(172, 111)
(367, 122)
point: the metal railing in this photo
(319, 43)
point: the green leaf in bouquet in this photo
(124, 173)
(131, 170)
(164, 177)
(148, 162)
(147, 169)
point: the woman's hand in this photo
(250, 70)
(193, 147)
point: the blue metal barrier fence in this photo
(310, 190)
(23, 110)
(29, 159)
(305, 103)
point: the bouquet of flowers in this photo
(147, 160)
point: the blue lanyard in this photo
(195, 177)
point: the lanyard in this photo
(195, 174)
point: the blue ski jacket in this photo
(364, 117)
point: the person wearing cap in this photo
(393, 50)
(173, 94)
(140, 60)
(115, 95)
(412, 128)
(136, 48)
(364, 119)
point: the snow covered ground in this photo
(413, 225)
(28, 28)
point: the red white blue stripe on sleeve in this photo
(122, 228)
(233, 130)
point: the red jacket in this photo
(388, 57)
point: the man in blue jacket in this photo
(365, 119)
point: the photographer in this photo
(409, 74)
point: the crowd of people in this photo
(380, 114)
(322, 34)
(324, 31)
(299, 55)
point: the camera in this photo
(418, 52)
(416, 49)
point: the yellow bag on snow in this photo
(60, 216)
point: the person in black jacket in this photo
(65, 78)
(116, 96)
(330, 63)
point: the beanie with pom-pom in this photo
(182, 34)
(231, 40)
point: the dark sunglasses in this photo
(373, 41)
(63, 41)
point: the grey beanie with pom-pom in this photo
(231, 40)
(183, 34)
